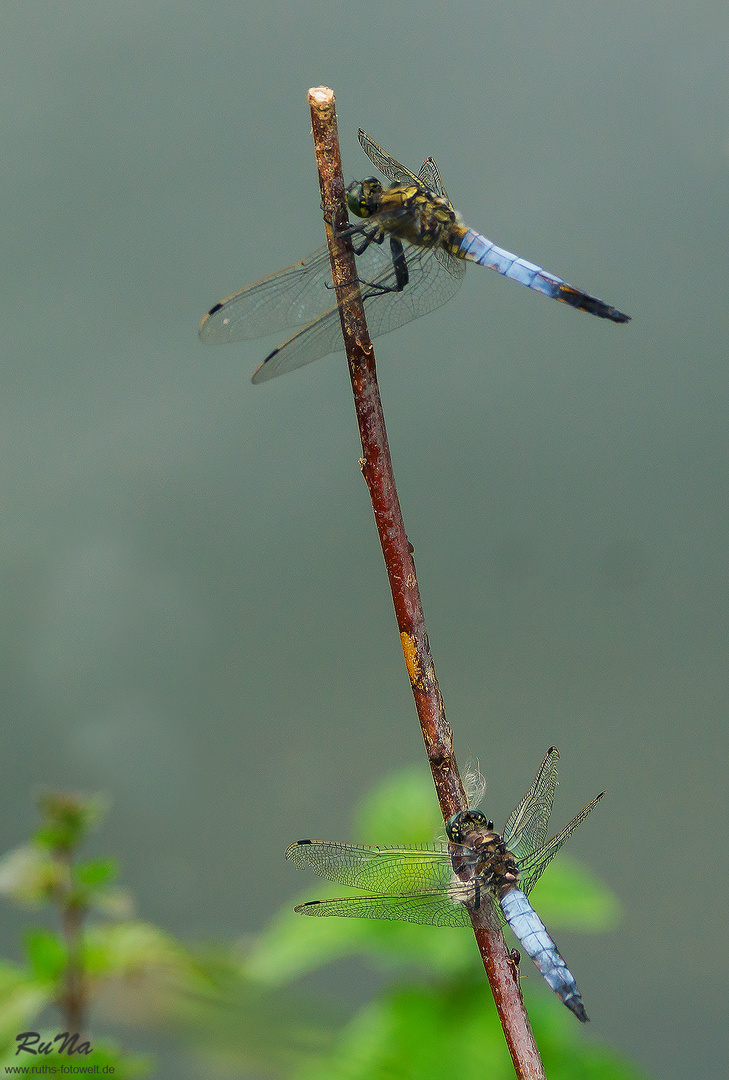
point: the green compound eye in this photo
(354, 199)
(363, 197)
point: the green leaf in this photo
(569, 895)
(420, 1033)
(91, 889)
(96, 873)
(46, 954)
(402, 809)
(427, 1033)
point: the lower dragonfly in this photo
(479, 878)
(420, 268)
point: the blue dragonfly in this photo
(411, 249)
(479, 878)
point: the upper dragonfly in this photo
(479, 878)
(420, 267)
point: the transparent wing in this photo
(433, 909)
(534, 865)
(434, 277)
(428, 176)
(319, 338)
(421, 868)
(295, 296)
(290, 297)
(302, 295)
(387, 165)
(412, 884)
(526, 826)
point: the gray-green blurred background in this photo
(195, 614)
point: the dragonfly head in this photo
(465, 822)
(364, 196)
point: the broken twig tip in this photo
(321, 97)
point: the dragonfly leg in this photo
(369, 236)
(513, 960)
(328, 216)
(399, 265)
(364, 228)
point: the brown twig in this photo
(73, 996)
(398, 553)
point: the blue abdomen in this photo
(531, 932)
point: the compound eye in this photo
(464, 822)
(356, 200)
(363, 197)
(453, 828)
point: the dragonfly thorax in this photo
(483, 855)
(408, 211)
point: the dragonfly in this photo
(411, 249)
(478, 878)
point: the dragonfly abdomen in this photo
(476, 248)
(531, 932)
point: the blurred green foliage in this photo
(434, 1016)
(98, 942)
(239, 1009)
